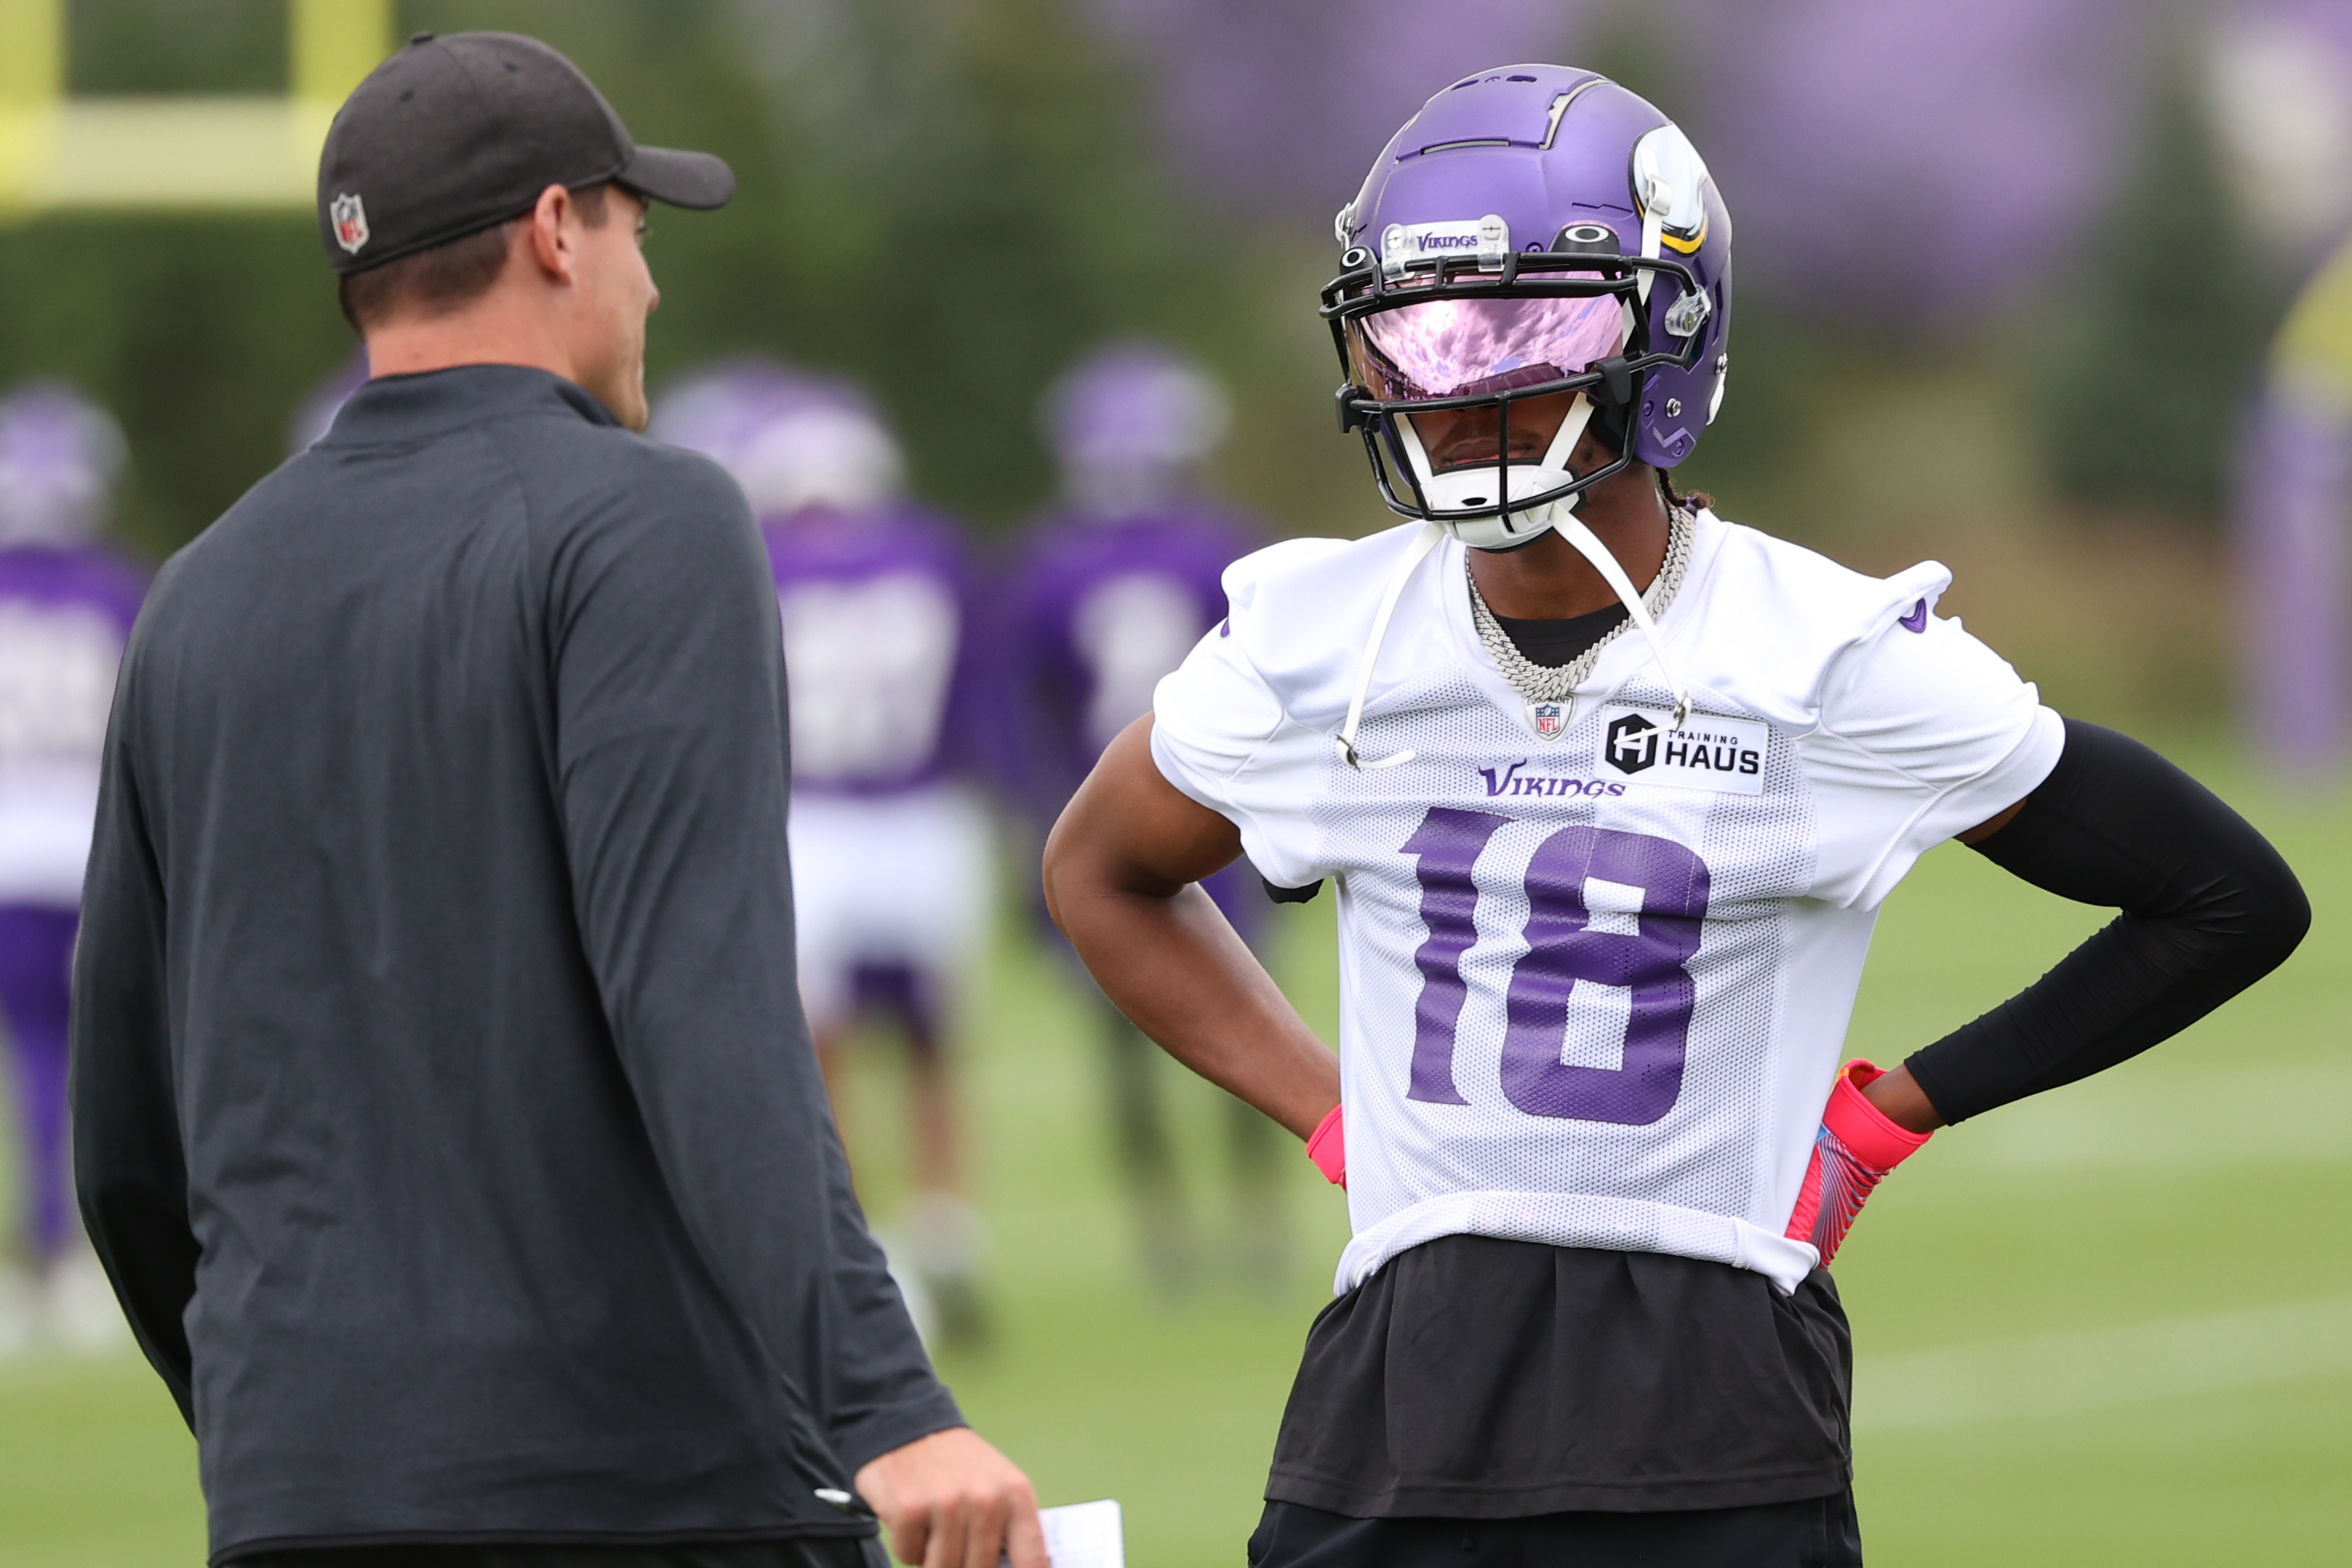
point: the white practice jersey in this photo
(1594, 987)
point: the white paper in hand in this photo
(1085, 1535)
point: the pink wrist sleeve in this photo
(1328, 1147)
(1857, 1147)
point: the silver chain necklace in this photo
(1556, 683)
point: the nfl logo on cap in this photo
(350, 219)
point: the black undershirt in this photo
(1552, 644)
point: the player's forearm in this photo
(1174, 965)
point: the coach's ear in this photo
(548, 235)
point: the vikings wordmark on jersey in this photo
(1596, 991)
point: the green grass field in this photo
(2112, 1326)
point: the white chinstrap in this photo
(1557, 683)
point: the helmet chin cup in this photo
(1465, 489)
(1454, 497)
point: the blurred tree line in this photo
(2161, 333)
(950, 198)
(2127, 372)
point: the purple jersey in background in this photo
(1102, 608)
(882, 649)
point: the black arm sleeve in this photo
(130, 1171)
(2208, 906)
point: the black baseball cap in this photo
(453, 134)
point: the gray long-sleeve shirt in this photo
(444, 1109)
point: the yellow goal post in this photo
(187, 152)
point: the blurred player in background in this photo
(890, 843)
(1114, 589)
(67, 602)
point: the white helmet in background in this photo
(61, 455)
(1130, 425)
(793, 440)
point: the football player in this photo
(892, 881)
(1115, 587)
(67, 602)
(1611, 790)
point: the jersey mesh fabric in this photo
(1583, 1004)
(1488, 1166)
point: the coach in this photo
(445, 1113)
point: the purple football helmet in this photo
(1129, 425)
(792, 439)
(61, 455)
(1534, 233)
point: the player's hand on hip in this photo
(951, 1500)
(1860, 1140)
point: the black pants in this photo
(1818, 1532)
(820, 1552)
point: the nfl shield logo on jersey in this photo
(1548, 719)
(350, 219)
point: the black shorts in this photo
(1818, 1533)
(1478, 1378)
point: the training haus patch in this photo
(1726, 755)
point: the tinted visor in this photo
(1472, 347)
